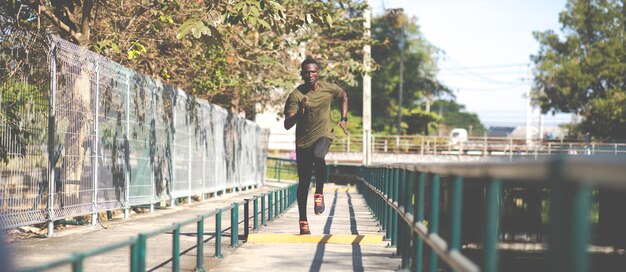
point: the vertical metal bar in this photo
(280, 168)
(176, 249)
(173, 152)
(433, 226)
(275, 168)
(127, 163)
(263, 210)
(419, 217)
(77, 264)
(234, 225)
(200, 245)
(276, 201)
(256, 213)
(94, 215)
(581, 228)
(246, 216)
(141, 252)
(410, 239)
(153, 195)
(492, 226)
(280, 203)
(388, 210)
(403, 246)
(455, 220)
(394, 195)
(218, 234)
(51, 135)
(189, 173)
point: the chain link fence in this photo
(81, 134)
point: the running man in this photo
(309, 107)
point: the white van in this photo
(458, 136)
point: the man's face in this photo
(310, 73)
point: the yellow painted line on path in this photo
(318, 238)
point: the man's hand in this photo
(342, 125)
(303, 104)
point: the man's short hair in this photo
(309, 61)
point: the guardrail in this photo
(411, 200)
(272, 204)
(280, 168)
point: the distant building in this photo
(499, 131)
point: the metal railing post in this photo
(200, 245)
(433, 225)
(52, 159)
(395, 179)
(256, 213)
(218, 234)
(127, 146)
(246, 216)
(456, 214)
(234, 225)
(94, 215)
(176, 249)
(418, 209)
(263, 210)
(491, 227)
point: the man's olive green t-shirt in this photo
(315, 122)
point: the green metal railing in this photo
(407, 200)
(273, 203)
(281, 169)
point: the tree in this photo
(582, 72)
(419, 73)
(235, 54)
(453, 115)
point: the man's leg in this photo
(320, 149)
(305, 167)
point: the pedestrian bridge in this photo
(561, 214)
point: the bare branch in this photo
(52, 17)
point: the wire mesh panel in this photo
(113, 154)
(76, 85)
(161, 138)
(181, 147)
(141, 127)
(219, 119)
(24, 93)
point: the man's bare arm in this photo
(292, 117)
(344, 112)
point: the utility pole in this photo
(528, 111)
(367, 90)
(400, 87)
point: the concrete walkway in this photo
(343, 238)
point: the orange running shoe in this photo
(319, 203)
(304, 228)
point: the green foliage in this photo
(583, 71)
(354, 124)
(453, 115)
(418, 75)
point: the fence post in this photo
(52, 159)
(173, 152)
(433, 226)
(256, 213)
(246, 216)
(218, 234)
(418, 209)
(127, 146)
(96, 146)
(263, 210)
(491, 226)
(200, 245)
(234, 225)
(190, 132)
(176, 248)
(152, 162)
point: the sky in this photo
(486, 47)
